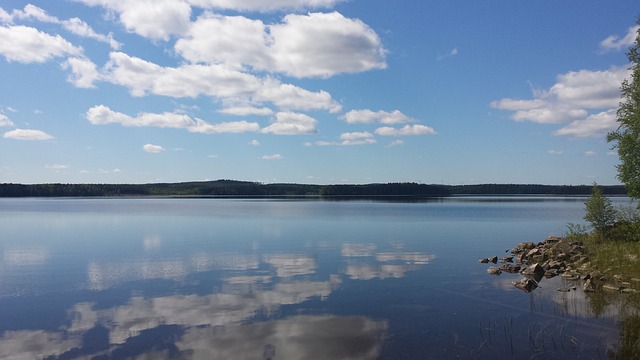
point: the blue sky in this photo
(311, 91)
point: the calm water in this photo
(269, 279)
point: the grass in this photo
(620, 258)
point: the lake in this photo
(153, 278)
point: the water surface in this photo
(285, 279)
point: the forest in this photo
(234, 188)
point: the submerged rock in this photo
(525, 284)
(494, 270)
(510, 268)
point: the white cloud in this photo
(143, 77)
(81, 28)
(597, 125)
(265, 6)
(153, 19)
(570, 98)
(254, 142)
(150, 148)
(83, 72)
(56, 166)
(312, 45)
(615, 43)
(586, 100)
(346, 139)
(5, 17)
(405, 130)
(28, 45)
(290, 123)
(24, 134)
(33, 12)
(73, 25)
(554, 152)
(103, 115)
(384, 117)
(357, 138)
(240, 41)
(395, 143)
(225, 127)
(322, 45)
(4, 120)
(247, 110)
(590, 153)
(272, 157)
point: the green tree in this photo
(599, 212)
(627, 136)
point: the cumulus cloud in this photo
(103, 115)
(406, 130)
(84, 72)
(367, 116)
(254, 142)
(597, 125)
(590, 153)
(153, 19)
(346, 139)
(29, 45)
(4, 120)
(150, 148)
(56, 166)
(143, 77)
(585, 100)
(25, 134)
(322, 45)
(265, 6)
(616, 43)
(73, 25)
(554, 152)
(272, 157)
(290, 123)
(311, 45)
(247, 110)
(357, 138)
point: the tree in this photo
(599, 212)
(627, 136)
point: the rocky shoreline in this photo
(556, 256)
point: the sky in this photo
(312, 91)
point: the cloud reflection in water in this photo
(223, 324)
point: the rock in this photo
(525, 246)
(534, 252)
(494, 270)
(506, 259)
(555, 264)
(525, 284)
(563, 289)
(534, 269)
(510, 268)
(551, 273)
(629, 291)
(484, 261)
(493, 259)
(588, 286)
(571, 275)
(552, 240)
(610, 287)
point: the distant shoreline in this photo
(245, 189)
